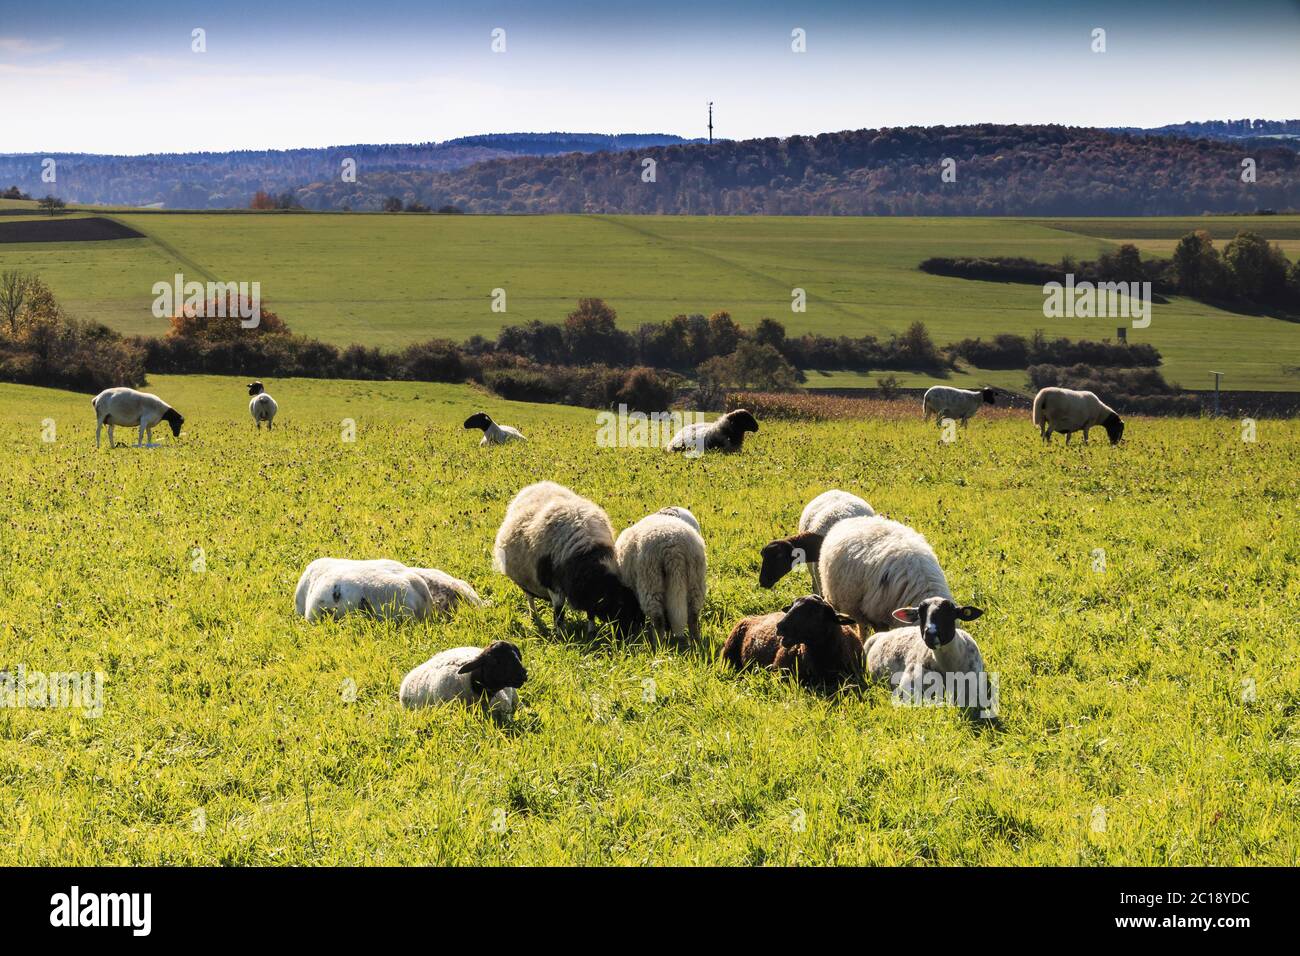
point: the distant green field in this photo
(388, 280)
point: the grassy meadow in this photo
(389, 280)
(1150, 702)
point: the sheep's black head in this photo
(1114, 426)
(588, 582)
(479, 420)
(989, 394)
(781, 556)
(937, 618)
(810, 620)
(255, 388)
(498, 665)
(741, 420)
(175, 419)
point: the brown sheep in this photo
(808, 638)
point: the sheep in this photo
(944, 401)
(490, 675)
(679, 512)
(558, 546)
(808, 638)
(820, 514)
(726, 433)
(126, 406)
(933, 659)
(493, 434)
(868, 566)
(262, 407)
(661, 558)
(1066, 410)
(389, 589)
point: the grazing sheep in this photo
(490, 675)
(944, 401)
(679, 512)
(809, 638)
(493, 434)
(126, 406)
(868, 566)
(820, 514)
(932, 660)
(1066, 410)
(727, 434)
(558, 546)
(386, 588)
(262, 407)
(662, 559)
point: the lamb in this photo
(944, 401)
(809, 639)
(388, 589)
(1066, 410)
(868, 566)
(820, 514)
(262, 407)
(661, 558)
(558, 546)
(126, 406)
(493, 434)
(932, 660)
(490, 675)
(679, 512)
(726, 433)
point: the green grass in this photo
(389, 280)
(1120, 690)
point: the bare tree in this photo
(14, 289)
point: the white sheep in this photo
(683, 514)
(727, 434)
(386, 588)
(933, 660)
(959, 404)
(558, 546)
(1066, 410)
(822, 513)
(126, 406)
(493, 434)
(868, 566)
(262, 406)
(662, 559)
(468, 674)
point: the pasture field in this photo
(389, 280)
(1140, 615)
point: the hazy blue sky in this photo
(109, 76)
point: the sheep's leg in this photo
(1067, 437)
(139, 438)
(1085, 435)
(99, 427)
(110, 434)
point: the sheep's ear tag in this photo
(907, 615)
(844, 619)
(473, 665)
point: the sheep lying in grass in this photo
(725, 434)
(933, 660)
(262, 406)
(959, 404)
(332, 587)
(822, 513)
(808, 639)
(662, 559)
(126, 406)
(493, 434)
(1066, 410)
(491, 676)
(558, 546)
(868, 567)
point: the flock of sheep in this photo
(880, 609)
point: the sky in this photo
(108, 76)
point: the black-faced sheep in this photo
(126, 406)
(809, 639)
(725, 434)
(493, 434)
(933, 659)
(662, 559)
(490, 675)
(262, 406)
(959, 404)
(1066, 410)
(558, 546)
